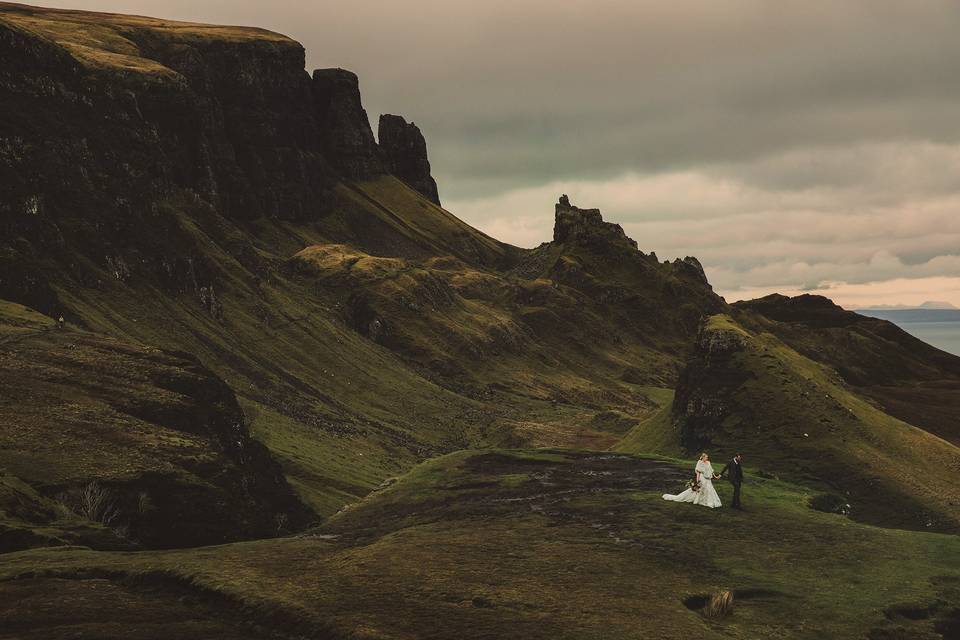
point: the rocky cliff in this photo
(573, 224)
(105, 123)
(405, 154)
(344, 127)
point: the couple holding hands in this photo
(701, 490)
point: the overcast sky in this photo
(790, 145)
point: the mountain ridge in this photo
(181, 218)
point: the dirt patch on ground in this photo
(561, 485)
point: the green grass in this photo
(561, 544)
(795, 418)
(18, 321)
(108, 41)
(657, 434)
(342, 412)
(153, 428)
(428, 222)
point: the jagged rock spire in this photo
(575, 224)
(691, 266)
(344, 128)
(405, 154)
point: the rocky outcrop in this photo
(691, 267)
(707, 382)
(405, 154)
(573, 224)
(344, 128)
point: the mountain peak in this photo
(573, 224)
(937, 304)
(693, 267)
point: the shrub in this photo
(97, 503)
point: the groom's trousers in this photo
(736, 494)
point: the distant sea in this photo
(939, 327)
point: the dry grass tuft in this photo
(719, 606)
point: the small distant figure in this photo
(735, 477)
(61, 323)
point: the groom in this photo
(735, 477)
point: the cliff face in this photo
(105, 122)
(405, 154)
(345, 130)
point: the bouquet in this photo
(694, 485)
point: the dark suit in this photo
(736, 479)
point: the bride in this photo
(706, 495)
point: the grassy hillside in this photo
(904, 376)
(110, 41)
(545, 544)
(353, 366)
(796, 419)
(97, 431)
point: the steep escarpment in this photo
(154, 178)
(344, 127)
(106, 120)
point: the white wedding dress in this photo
(707, 496)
